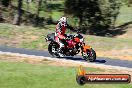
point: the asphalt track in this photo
(100, 60)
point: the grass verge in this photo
(27, 75)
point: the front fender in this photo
(86, 47)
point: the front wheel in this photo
(90, 55)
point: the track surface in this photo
(100, 60)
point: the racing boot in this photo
(60, 52)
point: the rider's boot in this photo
(60, 51)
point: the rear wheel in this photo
(53, 48)
(90, 55)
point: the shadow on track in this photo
(82, 60)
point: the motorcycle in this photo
(73, 45)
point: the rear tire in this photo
(53, 45)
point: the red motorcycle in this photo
(73, 45)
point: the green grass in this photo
(24, 36)
(125, 15)
(106, 43)
(57, 15)
(25, 75)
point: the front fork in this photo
(85, 49)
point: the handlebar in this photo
(77, 30)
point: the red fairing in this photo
(70, 43)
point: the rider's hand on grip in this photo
(77, 30)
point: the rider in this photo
(60, 32)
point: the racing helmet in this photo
(63, 21)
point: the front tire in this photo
(90, 55)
